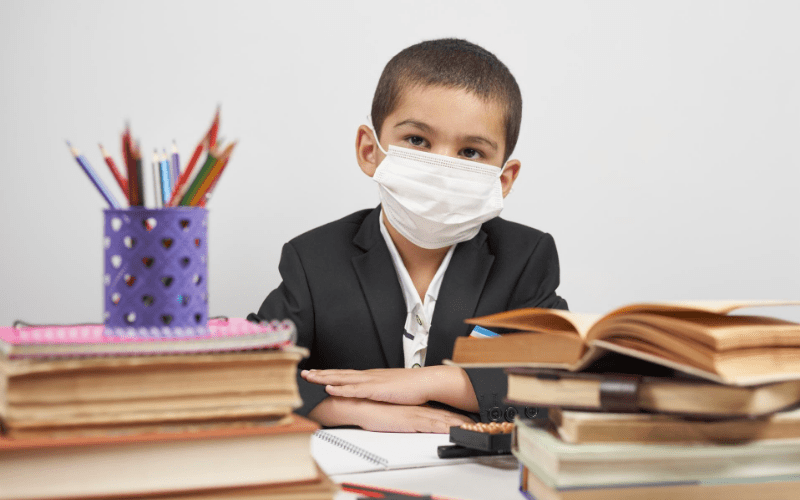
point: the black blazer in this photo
(342, 292)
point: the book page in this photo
(534, 319)
(712, 306)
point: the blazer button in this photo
(530, 412)
(495, 414)
(511, 412)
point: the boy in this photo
(380, 296)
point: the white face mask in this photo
(436, 201)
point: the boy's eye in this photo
(472, 154)
(417, 141)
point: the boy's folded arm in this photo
(384, 417)
(444, 384)
(292, 300)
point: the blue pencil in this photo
(166, 181)
(176, 164)
(98, 183)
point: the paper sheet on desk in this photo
(347, 451)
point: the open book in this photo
(699, 338)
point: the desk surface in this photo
(486, 478)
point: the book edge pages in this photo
(711, 306)
(691, 370)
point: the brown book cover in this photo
(698, 338)
(319, 489)
(137, 389)
(610, 392)
(157, 462)
(593, 427)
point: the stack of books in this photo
(656, 401)
(159, 416)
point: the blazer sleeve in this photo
(292, 300)
(536, 287)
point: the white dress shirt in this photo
(420, 313)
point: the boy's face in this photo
(444, 121)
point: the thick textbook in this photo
(117, 390)
(772, 488)
(319, 489)
(699, 338)
(611, 392)
(141, 464)
(594, 427)
(561, 465)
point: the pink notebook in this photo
(233, 334)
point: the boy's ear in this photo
(367, 152)
(509, 175)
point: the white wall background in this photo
(660, 142)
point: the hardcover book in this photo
(698, 338)
(157, 463)
(610, 392)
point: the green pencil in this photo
(211, 159)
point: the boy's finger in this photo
(338, 378)
(346, 391)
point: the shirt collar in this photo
(409, 291)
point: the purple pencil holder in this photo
(156, 270)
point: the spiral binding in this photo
(351, 448)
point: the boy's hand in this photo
(384, 417)
(445, 384)
(391, 385)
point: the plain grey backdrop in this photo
(660, 142)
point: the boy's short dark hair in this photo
(454, 63)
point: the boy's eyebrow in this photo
(427, 128)
(420, 125)
(484, 140)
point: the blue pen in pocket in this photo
(482, 333)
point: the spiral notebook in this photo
(219, 335)
(347, 451)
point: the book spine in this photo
(351, 448)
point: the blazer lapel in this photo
(381, 288)
(458, 296)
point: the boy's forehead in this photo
(450, 111)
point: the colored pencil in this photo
(204, 192)
(157, 180)
(166, 179)
(181, 185)
(98, 183)
(130, 169)
(207, 196)
(122, 181)
(176, 163)
(205, 170)
(137, 158)
(385, 493)
(134, 169)
(212, 132)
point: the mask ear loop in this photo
(375, 134)
(503, 169)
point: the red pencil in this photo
(134, 184)
(212, 132)
(123, 183)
